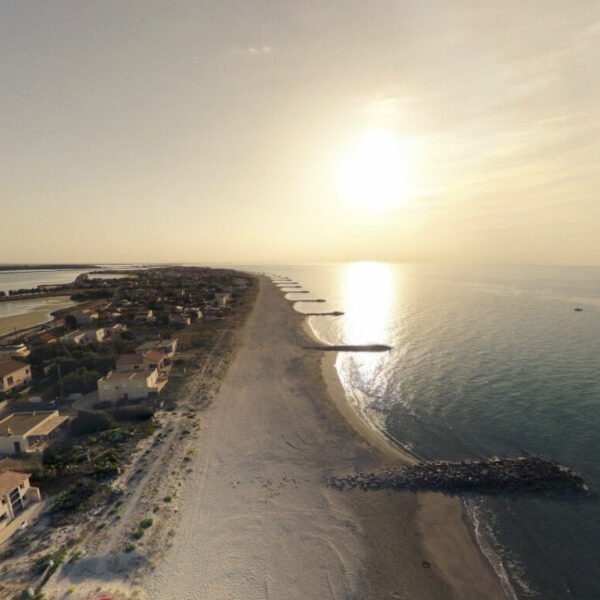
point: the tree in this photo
(71, 321)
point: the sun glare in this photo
(375, 172)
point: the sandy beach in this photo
(255, 519)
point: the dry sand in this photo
(255, 518)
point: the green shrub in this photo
(168, 498)
(147, 522)
(129, 547)
(74, 498)
(106, 465)
(91, 421)
(138, 533)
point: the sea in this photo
(485, 361)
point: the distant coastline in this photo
(41, 267)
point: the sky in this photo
(242, 131)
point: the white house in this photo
(179, 320)
(73, 337)
(10, 350)
(85, 317)
(130, 385)
(93, 335)
(22, 432)
(143, 361)
(222, 299)
(13, 374)
(169, 347)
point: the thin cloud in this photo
(255, 50)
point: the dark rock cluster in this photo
(495, 476)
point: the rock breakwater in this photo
(523, 474)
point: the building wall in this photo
(7, 443)
(135, 389)
(18, 377)
(22, 496)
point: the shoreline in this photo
(28, 319)
(456, 524)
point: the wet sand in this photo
(255, 518)
(30, 312)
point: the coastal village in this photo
(98, 410)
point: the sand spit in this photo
(255, 518)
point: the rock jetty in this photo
(524, 474)
(352, 348)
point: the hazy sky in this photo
(214, 131)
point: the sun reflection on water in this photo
(369, 297)
(369, 291)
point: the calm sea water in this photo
(485, 361)
(14, 280)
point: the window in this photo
(10, 381)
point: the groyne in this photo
(523, 474)
(333, 313)
(352, 348)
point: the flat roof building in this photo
(22, 432)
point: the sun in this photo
(375, 171)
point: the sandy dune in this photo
(255, 519)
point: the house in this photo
(74, 337)
(15, 495)
(43, 337)
(130, 362)
(25, 431)
(179, 320)
(10, 350)
(13, 373)
(85, 317)
(221, 300)
(169, 347)
(143, 361)
(130, 385)
(156, 359)
(114, 331)
(93, 335)
(144, 316)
